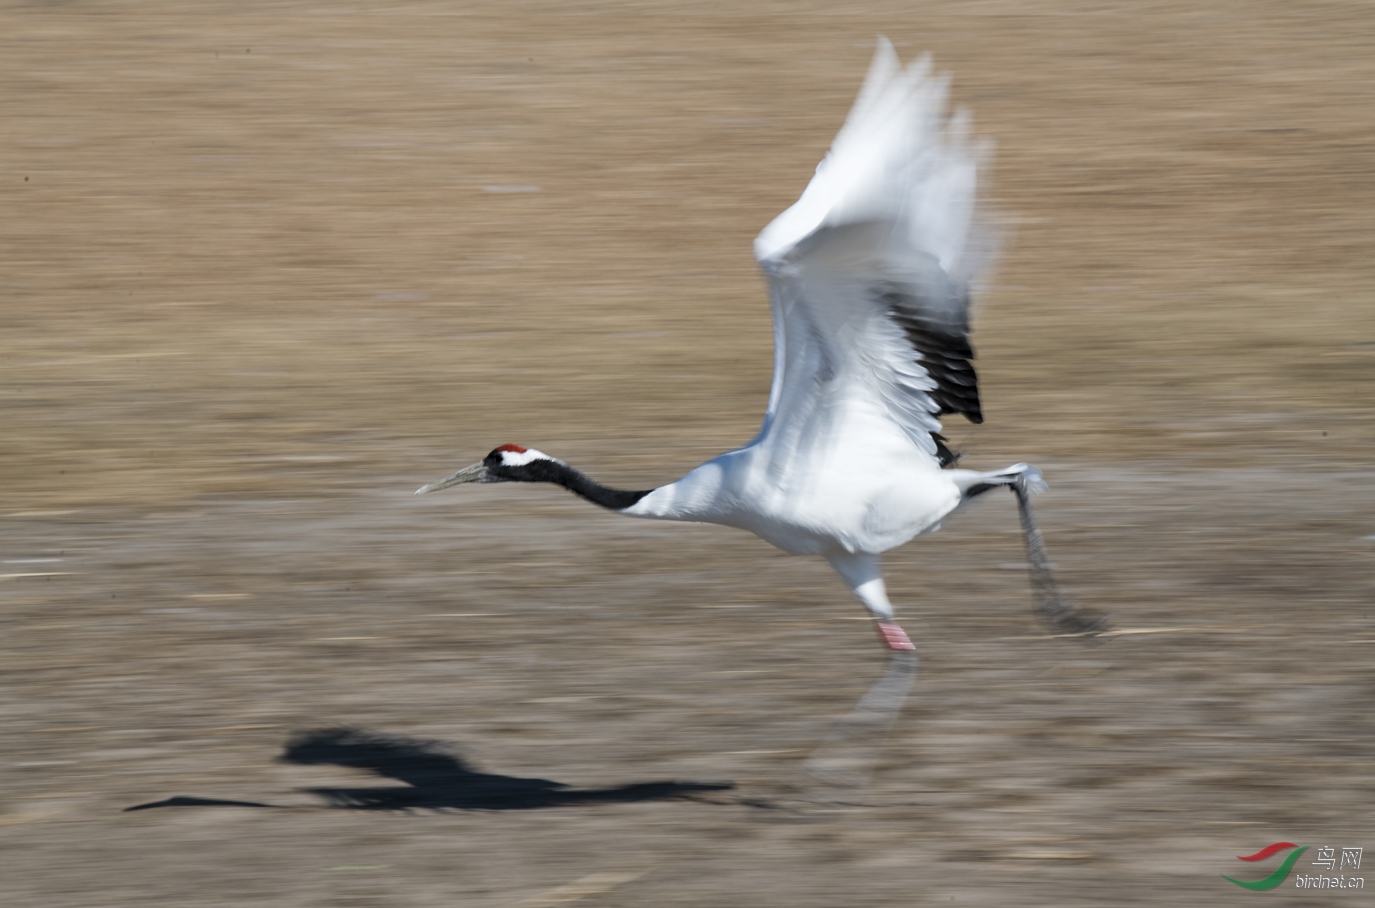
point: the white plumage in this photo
(845, 463)
(868, 275)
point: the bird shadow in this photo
(437, 778)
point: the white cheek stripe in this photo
(530, 455)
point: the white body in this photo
(844, 465)
(861, 492)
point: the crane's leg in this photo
(1024, 479)
(864, 576)
(846, 757)
(1055, 609)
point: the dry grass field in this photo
(268, 267)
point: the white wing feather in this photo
(867, 269)
(898, 158)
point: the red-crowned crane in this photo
(868, 275)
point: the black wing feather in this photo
(940, 336)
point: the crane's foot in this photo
(1063, 618)
(846, 759)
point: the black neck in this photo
(579, 484)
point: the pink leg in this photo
(893, 636)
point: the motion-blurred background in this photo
(267, 267)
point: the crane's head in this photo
(508, 463)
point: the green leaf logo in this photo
(1274, 879)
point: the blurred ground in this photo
(267, 267)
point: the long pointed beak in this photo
(475, 473)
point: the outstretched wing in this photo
(868, 271)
